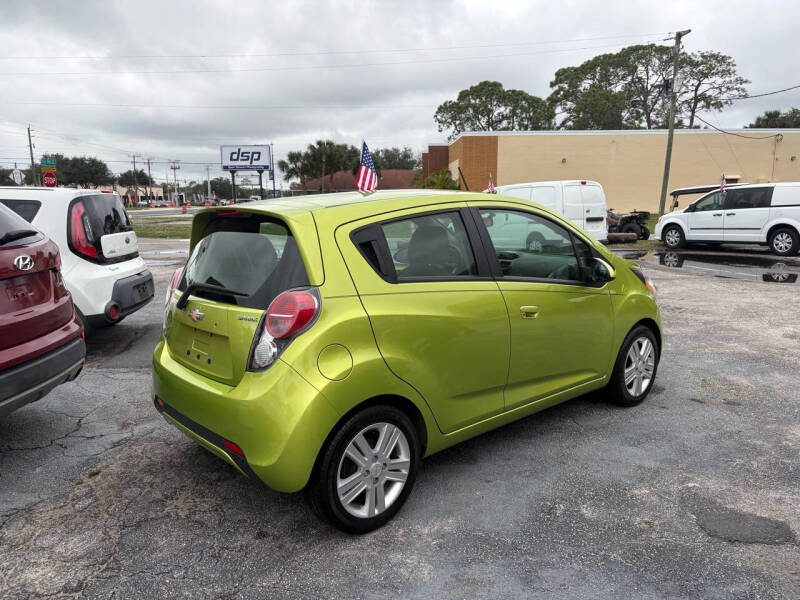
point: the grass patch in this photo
(163, 230)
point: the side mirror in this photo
(600, 271)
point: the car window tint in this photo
(26, 209)
(748, 198)
(430, 245)
(528, 245)
(711, 202)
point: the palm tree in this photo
(293, 168)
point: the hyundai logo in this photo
(195, 315)
(23, 262)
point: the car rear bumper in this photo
(128, 295)
(31, 380)
(277, 419)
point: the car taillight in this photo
(176, 278)
(290, 312)
(81, 230)
(288, 315)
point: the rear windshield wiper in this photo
(204, 287)
(17, 234)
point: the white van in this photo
(99, 251)
(761, 213)
(582, 202)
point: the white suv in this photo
(764, 213)
(99, 251)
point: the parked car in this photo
(582, 202)
(99, 251)
(764, 213)
(632, 222)
(41, 337)
(298, 349)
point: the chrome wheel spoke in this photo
(373, 470)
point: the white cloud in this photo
(760, 37)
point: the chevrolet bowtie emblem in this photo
(195, 315)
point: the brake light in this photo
(80, 229)
(290, 312)
(176, 279)
(288, 315)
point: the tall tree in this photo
(126, 178)
(632, 82)
(710, 83)
(486, 106)
(773, 119)
(396, 158)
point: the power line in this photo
(308, 67)
(747, 137)
(794, 87)
(325, 52)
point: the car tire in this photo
(535, 242)
(366, 481)
(644, 232)
(784, 241)
(635, 369)
(632, 228)
(673, 237)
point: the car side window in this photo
(748, 198)
(711, 202)
(27, 209)
(531, 246)
(432, 245)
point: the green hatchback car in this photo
(329, 342)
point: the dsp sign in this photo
(245, 158)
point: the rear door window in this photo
(431, 245)
(257, 263)
(16, 230)
(26, 209)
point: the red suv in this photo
(41, 338)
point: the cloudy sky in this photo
(174, 80)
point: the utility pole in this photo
(149, 181)
(34, 173)
(208, 183)
(175, 166)
(673, 93)
(135, 184)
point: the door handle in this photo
(717, 214)
(529, 312)
(730, 214)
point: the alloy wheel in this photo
(782, 242)
(373, 470)
(640, 364)
(672, 238)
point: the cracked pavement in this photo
(694, 494)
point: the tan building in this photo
(628, 164)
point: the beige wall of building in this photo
(629, 164)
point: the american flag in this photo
(722, 183)
(491, 184)
(366, 178)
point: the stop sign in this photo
(49, 180)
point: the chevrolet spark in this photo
(328, 343)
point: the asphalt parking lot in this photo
(693, 494)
